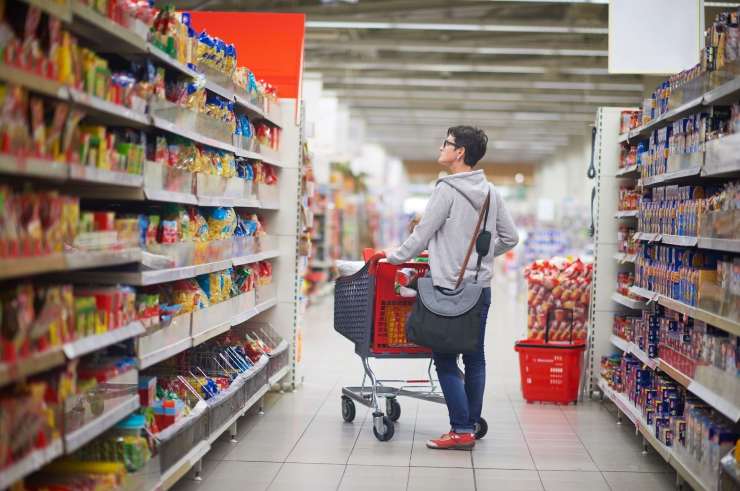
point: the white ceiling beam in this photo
(406, 94)
(483, 116)
(404, 47)
(454, 26)
(465, 105)
(411, 66)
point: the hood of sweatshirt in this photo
(473, 185)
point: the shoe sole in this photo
(466, 448)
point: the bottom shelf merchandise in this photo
(687, 429)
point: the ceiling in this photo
(531, 73)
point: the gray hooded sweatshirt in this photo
(448, 224)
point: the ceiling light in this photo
(441, 26)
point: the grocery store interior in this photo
(202, 203)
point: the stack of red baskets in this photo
(551, 370)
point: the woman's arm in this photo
(506, 235)
(435, 214)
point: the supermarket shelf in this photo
(253, 258)
(59, 9)
(276, 378)
(626, 214)
(672, 372)
(108, 35)
(724, 323)
(266, 305)
(102, 176)
(670, 177)
(721, 157)
(13, 268)
(99, 259)
(31, 167)
(647, 237)
(669, 455)
(280, 348)
(623, 257)
(114, 114)
(165, 125)
(171, 62)
(211, 333)
(628, 302)
(218, 89)
(36, 363)
(31, 463)
(170, 196)
(728, 408)
(179, 469)
(99, 425)
(679, 240)
(725, 93)
(623, 137)
(90, 344)
(672, 115)
(629, 347)
(728, 245)
(629, 171)
(153, 277)
(34, 82)
(250, 107)
(151, 359)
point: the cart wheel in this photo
(388, 430)
(481, 429)
(348, 409)
(393, 408)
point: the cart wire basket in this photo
(369, 312)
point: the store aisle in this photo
(301, 442)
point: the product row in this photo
(697, 435)
(702, 279)
(37, 317)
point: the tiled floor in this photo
(301, 442)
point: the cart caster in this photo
(481, 429)
(382, 427)
(348, 409)
(392, 408)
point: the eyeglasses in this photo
(446, 142)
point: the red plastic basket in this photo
(391, 311)
(550, 372)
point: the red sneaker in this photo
(453, 441)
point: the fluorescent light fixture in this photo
(452, 67)
(483, 84)
(443, 26)
(455, 49)
(405, 94)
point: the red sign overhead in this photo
(271, 45)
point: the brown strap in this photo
(486, 204)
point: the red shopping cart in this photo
(369, 312)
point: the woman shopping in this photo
(448, 225)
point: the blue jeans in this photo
(464, 396)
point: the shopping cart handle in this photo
(373, 261)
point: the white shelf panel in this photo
(90, 344)
(624, 258)
(113, 113)
(679, 240)
(626, 214)
(165, 125)
(220, 90)
(253, 258)
(170, 196)
(151, 359)
(31, 167)
(250, 107)
(670, 177)
(96, 427)
(37, 363)
(103, 176)
(60, 10)
(629, 171)
(629, 347)
(171, 62)
(179, 469)
(628, 302)
(266, 305)
(211, 333)
(727, 245)
(35, 83)
(31, 463)
(99, 259)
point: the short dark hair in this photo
(474, 140)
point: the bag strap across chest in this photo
(477, 239)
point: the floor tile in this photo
(510, 480)
(374, 478)
(573, 481)
(440, 479)
(421, 456)
(642, 481)
(313, 477)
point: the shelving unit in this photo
(720, 159)
(130, 266)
